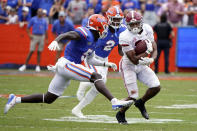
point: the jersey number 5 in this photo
(109, 45)
(88, 52)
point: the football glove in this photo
(54, 46)
(52, 68)
(149, 46)
(111, 65)
(146, 61)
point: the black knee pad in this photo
(95, 76)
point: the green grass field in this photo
(177, 110)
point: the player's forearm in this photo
(94, 61)
(68, 36)
(154, 53)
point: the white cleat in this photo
(22, 68)
(118, 104)
(37, 69)
(78, 113)
(11, 102)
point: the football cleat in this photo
(118, 104)
(140, 105)
(11, 102)
(77, 113)
(121, 118)
(22, 68)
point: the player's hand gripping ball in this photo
(142, 46)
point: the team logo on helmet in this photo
(99, 23)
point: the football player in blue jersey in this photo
(104, 47)
(82, 44)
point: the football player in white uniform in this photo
(134, 67)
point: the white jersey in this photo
(127, 39)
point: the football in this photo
(140, 47)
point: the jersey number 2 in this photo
(109, 45)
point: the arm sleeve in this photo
(93, 61)
(150, 34)
(125, 44)
(82, 32)
(30, 23)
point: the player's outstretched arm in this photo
(93, 61)
(71, 35)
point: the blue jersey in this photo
(77, 50)
(105, 46)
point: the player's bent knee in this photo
(157, 89)
(95, 76)
(49, 98)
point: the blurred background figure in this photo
(39, 33)
(13, 3)
(12, 17)
(22, 3)
(130, 4)
(88, 14)
(60, 26)
(165, 35)
(148, 9)
(76, 10)
(44, 11)
(96, 5)
(34, 7)
(24, 18)
(175, 12)
(106, 4)
(54, 11)
(3, 13)
(191, 12)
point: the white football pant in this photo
(92, 93)
(131, 73)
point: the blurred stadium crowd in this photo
(180, 12)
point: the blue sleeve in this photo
(54, 27)
(30, 23)
(81, 32)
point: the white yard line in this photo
(109, 119)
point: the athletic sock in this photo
(18, 99)
(89, 97)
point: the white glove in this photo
(149, 46)
(52, 68)
(54, 46)
(111, 65)
(146, 61)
